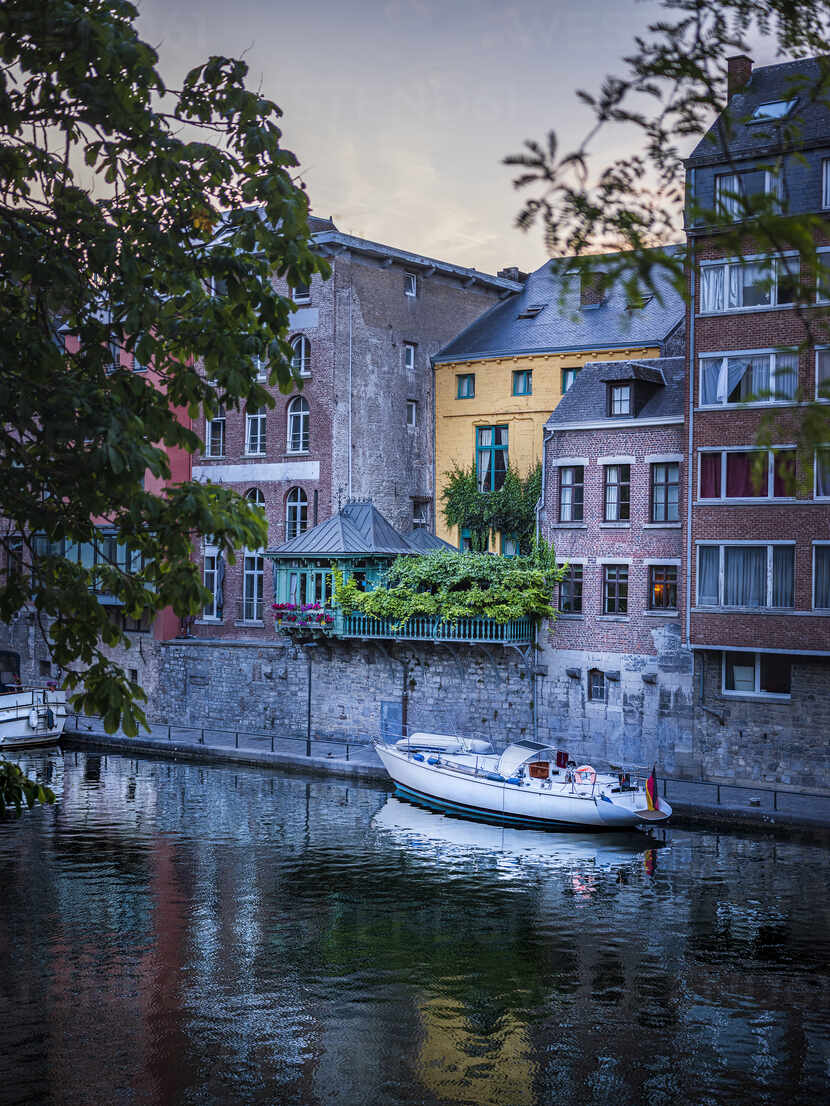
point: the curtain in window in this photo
(500, 457)
(708, 571)
(612, 493)
(783, 557)
(745, 576)
(711, 288)
(741, 479)
(822, 582)
(713, 373)
(738, 380)
(484, 456)
(728, 195)
(735, 287)
(784, 474)
(710, 475)
(823, 472)
(786, 376)
(823, 370)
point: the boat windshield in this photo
(517, 754)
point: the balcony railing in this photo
(517, 632)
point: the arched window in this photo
(301, 357)
(298, 425)
(296, 513)
(255, 498)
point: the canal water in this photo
(177, 934)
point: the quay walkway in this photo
(695, 802)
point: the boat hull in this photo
(487, 800)
(31, 716)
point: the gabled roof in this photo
(767, 84)
(585, 400)
(561, 323)
(357, 529)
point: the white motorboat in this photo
(28, 715)
(529, 785)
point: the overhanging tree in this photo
(142, 218)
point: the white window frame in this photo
(618, 391)
(256, 497)
(409, 357)
(819, 351)
(723, 498)
(255, 431)
(261, 366)
(295, 410)
(818, 545)
(301, 297)
(772, 187)
(575, 373)
(756, 693)
(819, 449)
(410, 285)
(824, 261)
(825, 182)
(295, 501)
(253, 569)
(727, 264)
(301, 355)
(219, 419)
(734, 354)
(722, 546)
(210, 552)
(412, 413)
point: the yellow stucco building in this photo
(497, 382)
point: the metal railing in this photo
(419, 628)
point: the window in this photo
(465, 386)
(301, 293)
(756, 378)
(596, 686)
(662, 587)
(821, 577)
(823, 374)
(735, 192)
(825, 182)
(745, 576)
(775, 109)
(215, 435)
(255, 432)
(731, 285)
(523, 382)
(217, 286)
(615, 589)
(298, 415)
(252, 578)
(212, 569)
(261, 367)
(301, 356)
(256, 498)
(823, 473)
(491, 457)
(14, 556)
(509, 545)
(665, 492)
(410, 284)
(747, 474)
(114, 355)
(568, 377)
(619, 399)
(571, 490)
(531, 311)
(409, 358)
(756, 674)
(617, 493)
(466, 541)
(411, 413)
(570, 591)
(138, 365)
(296, 513)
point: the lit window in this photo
(298, 418)
(619, 399)
(615, 589)
(255, 432)
(301, 356)
(568, 377)
(465, 386)
(662, 587)
(411, 413)
(749, 576)
(756, 674)
(570, 591)
(491, 457)
(571, 492)
(617, 493)
(410, 284)
(523, 382)
(755, 378)
(409, 358)
(296, 513)
(215, 436)
(665, 492)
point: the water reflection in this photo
(171, 933)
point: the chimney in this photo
(738, 74)
(513, 272)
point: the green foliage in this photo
(511, 509)
(16, 788)
(458, 585)
(123, 204)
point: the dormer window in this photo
(619, 400)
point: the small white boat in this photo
(28, 715)
(521, 787)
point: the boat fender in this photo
(418, 756)
(433, 760)
(514, 779)
(497, 776)
(50, 719)
(585, 774)
(33, 719)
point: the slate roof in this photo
(562, 324)
(356, 530)
(767, 84)
(424, 542)
(585, 400)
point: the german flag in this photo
(652, 798)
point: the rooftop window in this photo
(531, 311)
(775, 109)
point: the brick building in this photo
(758, 547)
(361, 424)
(618, 678)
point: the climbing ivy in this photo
(511, 509)
(458, 585)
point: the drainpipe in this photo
(540, 505)
(350, 382)
(689, 451)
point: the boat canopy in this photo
(519, 753)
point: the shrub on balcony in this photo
(451, 586)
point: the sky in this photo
(402, 111)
